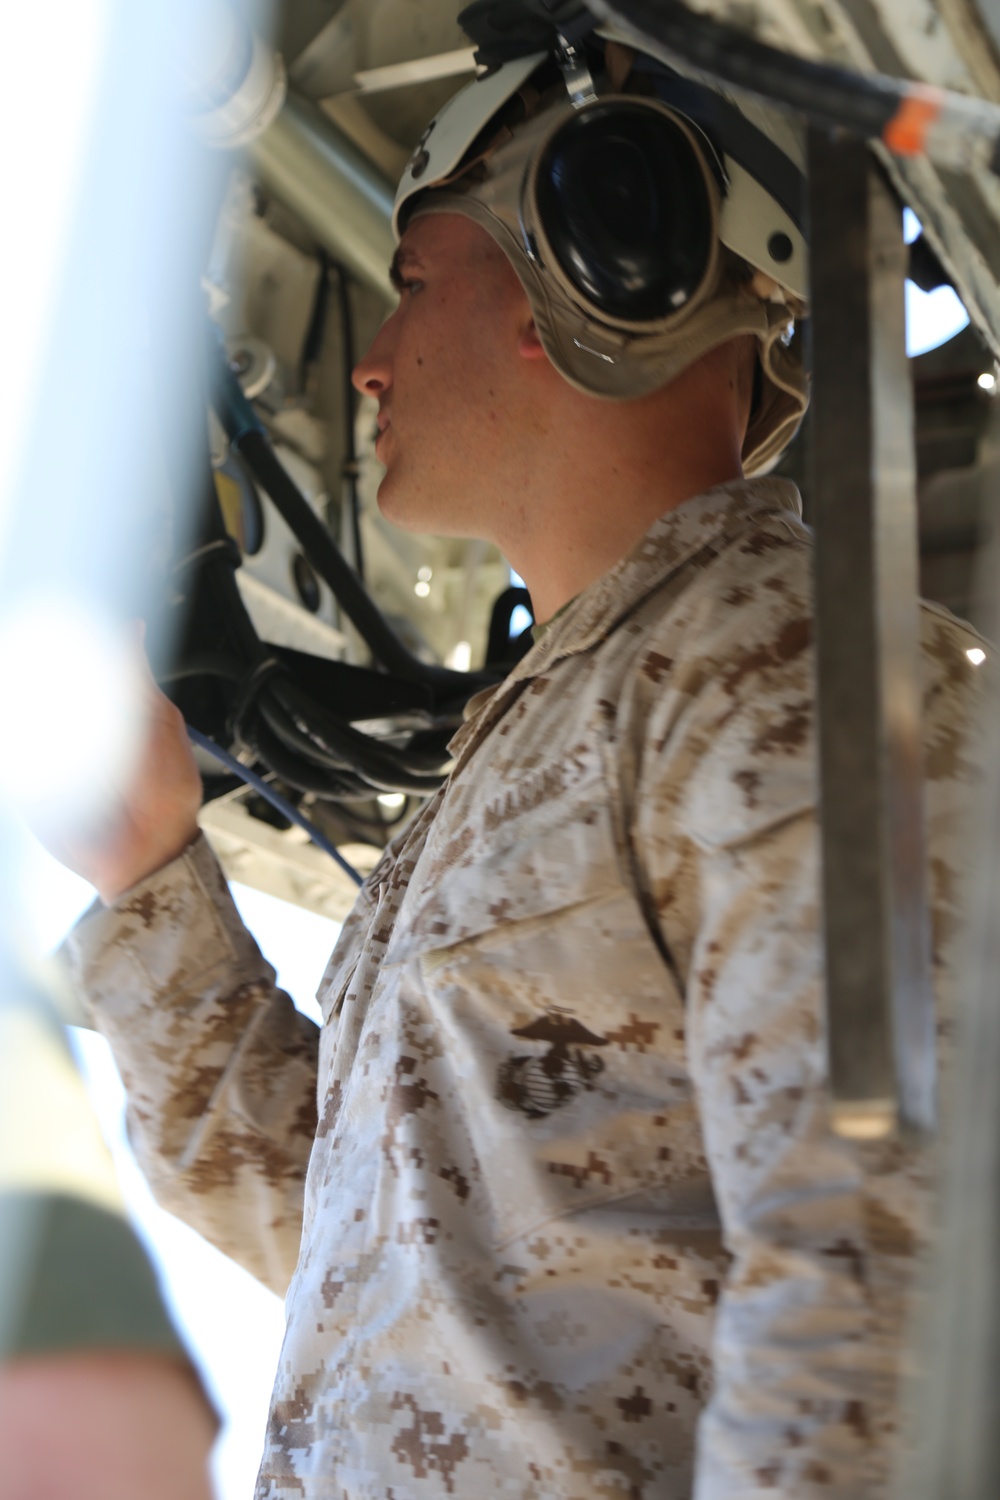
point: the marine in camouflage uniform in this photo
(573, 1221)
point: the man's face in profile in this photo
(449, 380)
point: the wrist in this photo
(125, 877)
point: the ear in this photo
(529, 345)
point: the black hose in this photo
(350, 469)
(360, 753)
(344, 762)
(318, 734)
(312, 344)
(303, 746)
(297, 749)
(311, 349)
(821, 92)
(300, 774)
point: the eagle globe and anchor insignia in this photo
(537, 1084)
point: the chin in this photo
(401, 509)
(409, 507)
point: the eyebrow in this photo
(404, 259)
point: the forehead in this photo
(450, 237)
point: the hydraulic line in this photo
(286, 808)
(910, 119)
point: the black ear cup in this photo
(622, 199)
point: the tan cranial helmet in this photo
(649, 221)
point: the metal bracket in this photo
(576, 73)
(879, 1001)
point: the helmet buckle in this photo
(576, 73)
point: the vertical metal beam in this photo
(953, 1452)
(879, 1002)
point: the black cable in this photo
(384, 767)
(350, 468)
(822, 92)
(346, 763)
(311, 350)
(313, 732)
(910, 118)
(308, 747)
(312, 344)
(290, 745)
(352, 742)
(250, 694)
(305, 746)
(235, 642)
(286, 808)
(301, 755)
(303, 775)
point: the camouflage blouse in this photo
(573, 1223)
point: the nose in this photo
(372, 375)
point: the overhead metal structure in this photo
(315, 169)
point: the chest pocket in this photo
(561, 1025)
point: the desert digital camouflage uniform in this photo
(574, 1225)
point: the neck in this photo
(600, 473)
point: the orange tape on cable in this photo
(906, 132)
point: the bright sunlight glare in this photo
(71, 35)
(931, 317)
(64, 668)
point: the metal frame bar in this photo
(952, 1450)
(879, 1001)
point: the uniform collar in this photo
(703, 522)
